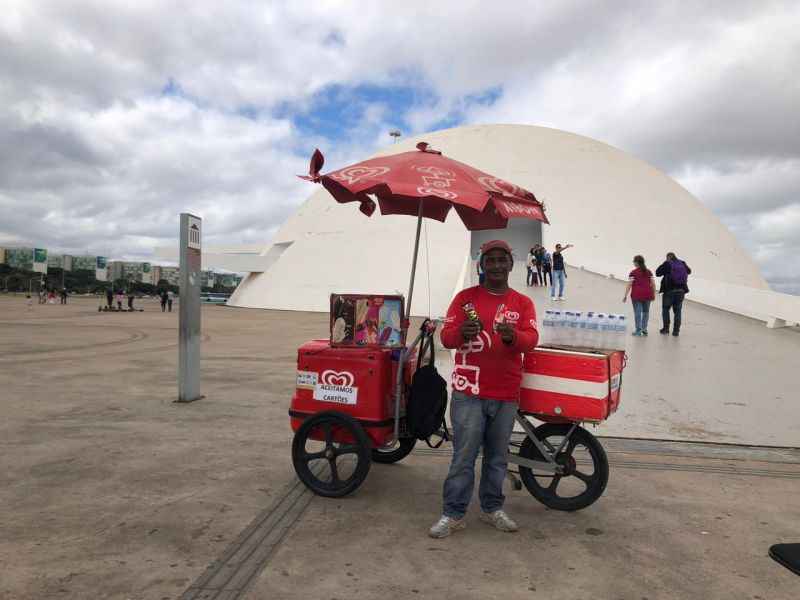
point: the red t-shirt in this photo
(641, 287)
(486, 366)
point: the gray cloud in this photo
(97, 156)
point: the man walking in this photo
(674, 275)
(558, 275)
(490, 326)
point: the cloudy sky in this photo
(115, 116)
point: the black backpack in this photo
(427, 399)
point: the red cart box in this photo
(356, 381)
(567, 385)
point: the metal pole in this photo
(404, 353)
(414, 261)
(189, 310)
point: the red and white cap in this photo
(496, 244)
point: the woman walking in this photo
(642, 289)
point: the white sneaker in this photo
(561, 298)
(445, 526)
(552, 298)
(499, 520)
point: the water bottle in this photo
(547, 327)
(590, 330)
(568, 328)
(610, 333)
(600, 333)
(622, 332)
(558, 327)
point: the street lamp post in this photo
(395, 133)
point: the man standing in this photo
(490, 326)
(674, 275)
(558, 274)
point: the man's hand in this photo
(470, 329)
(507, 333)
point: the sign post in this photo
(189, 310)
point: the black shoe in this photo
(663, 331)
(675, 333)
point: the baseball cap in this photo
(495, 244)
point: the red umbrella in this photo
(428, 184)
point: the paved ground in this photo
(110, 490)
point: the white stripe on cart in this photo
(564, 385)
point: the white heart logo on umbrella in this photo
(353, 174)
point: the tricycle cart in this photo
(348, 409)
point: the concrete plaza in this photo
(111, 490)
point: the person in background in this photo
(533, 278)
(64, 295)
(642, 289)
(559, 275)
(109, 298)
(164, 300)
(120, 297)
(538, 264)
(29, 302)
(130, 299)
(547, 266)
(674, 275)
(170, 299)
(490, 327)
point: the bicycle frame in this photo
(549, 464)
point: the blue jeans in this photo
(641, 314)
(478, 422)
(557, 277)
(673, 300)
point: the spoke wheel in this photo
(584, 462)
(396, 453)
(331, 454)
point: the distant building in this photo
(171, 274)
(84, 263)
(19, 258)
(60, 261)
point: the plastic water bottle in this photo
(570, 328)
(599, 339)
(577, 329)
(622, 332)
(547, 327)
(609, 340)
(558, 327)
(590, 330)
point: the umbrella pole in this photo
(405, 352)
(414, 261)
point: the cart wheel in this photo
(585, 462)
(331, 454)
(396, 453)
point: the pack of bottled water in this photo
(583, 329)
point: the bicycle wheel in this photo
(585, 468)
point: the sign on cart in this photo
(336, 393)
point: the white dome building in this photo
(608, 204)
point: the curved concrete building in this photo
(607, 203)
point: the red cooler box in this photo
(567, 385)
(356, 381)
